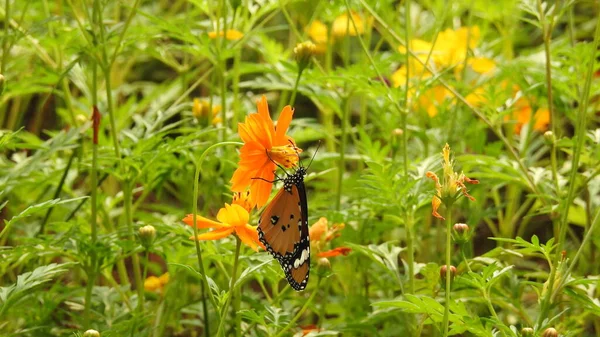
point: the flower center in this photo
(286, 155)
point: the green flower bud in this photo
(91, 333)
(526, 332)
(550, 332)
(304, 51)
(549, 137)
(462, 232)
(147, 235)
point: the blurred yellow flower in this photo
(318, 32)
(342, 25)
(433, 98)
(230, 34)
(201, 108)
(482, 65)
(153, 283)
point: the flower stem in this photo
(342, 150)
(580, 129)
(411, 252)
(448, 274)
(293, 99)
(205, 285)
(238, 245)
(135, 259)
(302, 310)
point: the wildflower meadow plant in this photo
(277, 168)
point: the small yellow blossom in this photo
(342, 25)
(201, 108)
(452, 185)
(153, 283)
(230, 34)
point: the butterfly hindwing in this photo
(283, 229)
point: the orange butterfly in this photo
(283, 229)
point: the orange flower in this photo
(309, 328)
(321, 233)
(232, 218)
(522, 115)
(336, 252)
(452, 186)
(230, 34)
(264, 144)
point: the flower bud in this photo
(461, 232)
(91, 333)
(304, 51)
(525, 332)
(550, 332)
(147, 235)
(443, 270)
(324, 263)
(549, 137)
(397, 132)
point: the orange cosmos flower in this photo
(243, 199)
(335, 252)
(232, 218)
(264, 145)
(321, 233)
(452, 186)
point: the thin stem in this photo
(411, 252)
(302, 310)
(94, 229)
(5, 38)
(448, 274)
(295, 91)
(580, 129)
(406, 91)
(342, 150)
(225, 309)
(135, 259)
(197, 244)
(57, 192)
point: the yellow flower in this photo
(452, 45)
(433, 98)
(482, 65)
(201, 108)
(318, 32)
(452, 185)
(342, 25)
(153, 283)
(243, 199)
(230, 34)
(232, 218)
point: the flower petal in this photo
(435, 205)
(261, 188)
(283, 123)
(249, 236)
(214, 235)
(336, 252)
(201, 222)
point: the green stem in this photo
(94, 228)
(406, 91)
(302, 310)
(342, 150)
(225, 309)
(448, 274)
(293, 99)
(411, 252)
(5, 44)
(57, 192)
(205, 285)
(580, 130)
(135, 259)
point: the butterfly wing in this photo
(283, 229)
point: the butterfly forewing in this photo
(283, 229)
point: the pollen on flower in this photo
(286, 155)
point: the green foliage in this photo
(171, 93)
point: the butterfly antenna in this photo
(274, 162)
(297, 153)
(314, 154)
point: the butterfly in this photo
(283, 229)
